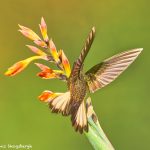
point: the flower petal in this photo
(48, 73)
(23, 27)
(53, 51)
(29, 33)
(20, 66)
(36, 50)
(65, 62)
(40, 43)
(47, 96)
(16, 68)
(43, 28)
(44, 67)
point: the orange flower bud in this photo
(40, 43)
(43, 67)
(19, 66)
(43, 28)
(16, 68)
(29, 33)
(47, 96)
(48, 73)
(65, 63)
(53, 51)
(36, 50)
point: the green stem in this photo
(97, 137)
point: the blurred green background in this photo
(123, 107)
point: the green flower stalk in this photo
(73, 102)
(96, 135)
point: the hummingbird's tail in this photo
(64, 105)
(60, 104)
(79, 117)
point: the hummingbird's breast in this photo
(77, 87)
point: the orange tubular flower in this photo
(19, 66)
(53, 51)
(43, 28)
(65, 63)
(48, 73)
(40, 43)
(29, 33)
(47, 96)
(36, 50)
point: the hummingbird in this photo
(81, 83)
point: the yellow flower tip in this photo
(36, 50)
(60, 53)
(53, 50)
(42, 18)
(65, 63)
(43, 23)
(20, 66)
(43, 28)
(16, 68)
(52, 45)
(19, 25)
(22, 27)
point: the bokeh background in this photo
(123, 107)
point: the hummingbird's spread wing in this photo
(60, 104)
(104, 73)
(79, 62)
(79, 118)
